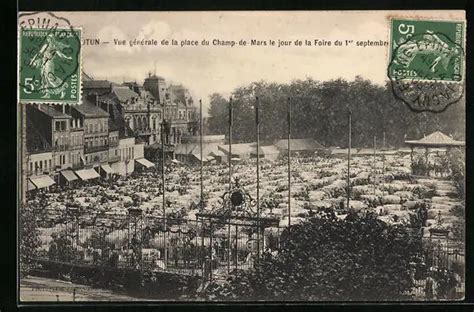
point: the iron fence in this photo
(194, 247)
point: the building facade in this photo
(145, 108)
(95, 122)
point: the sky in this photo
(208, 69)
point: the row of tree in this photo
(320, 110)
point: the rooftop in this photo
(123, 93)
(87, 109)
(52, 112)
(154, 76)
(299, 144)
(96, 84)
(238, 149)
(435, 139)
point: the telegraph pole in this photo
(349, 161)
(257, 125)
(289, 163)
(375, 160)
(230, 143)
(163, 183)
(200, 146)
(383, 162)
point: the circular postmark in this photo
(425, 72)
(49, 59)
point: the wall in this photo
(46, 160)
(139, 151)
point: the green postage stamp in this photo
(430, 50)
(426, 67)
(50, 66)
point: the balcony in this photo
(143, 131)
(113, 144)
(61, 148)
(93, 149)
(114, 158)
(77, 166)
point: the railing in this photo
(92, 149)
(143, 131)
(113, 143)
(191, 247)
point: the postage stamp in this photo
(50, 65)
(427, 63)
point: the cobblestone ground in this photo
(45, 289)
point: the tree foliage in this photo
(29, 240)
(327, 258)
(319, 110)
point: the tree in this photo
(319, 110)
(29, 240)
(218, 111)
(326, 258)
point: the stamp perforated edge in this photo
(52, 102)
(410, 18)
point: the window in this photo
(41, 165)
(31, 167)
(49, 163)
(57, 126)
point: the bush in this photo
(325, 258)
(458, 168)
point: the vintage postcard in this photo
(241, 156)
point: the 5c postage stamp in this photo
(426, 66)
(50, 65)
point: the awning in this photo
(30, 186)
(87, 174)
(145, 162)
(204, 159)
(217, 153)
(42, 181)
(107, 169)
(69, 175)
